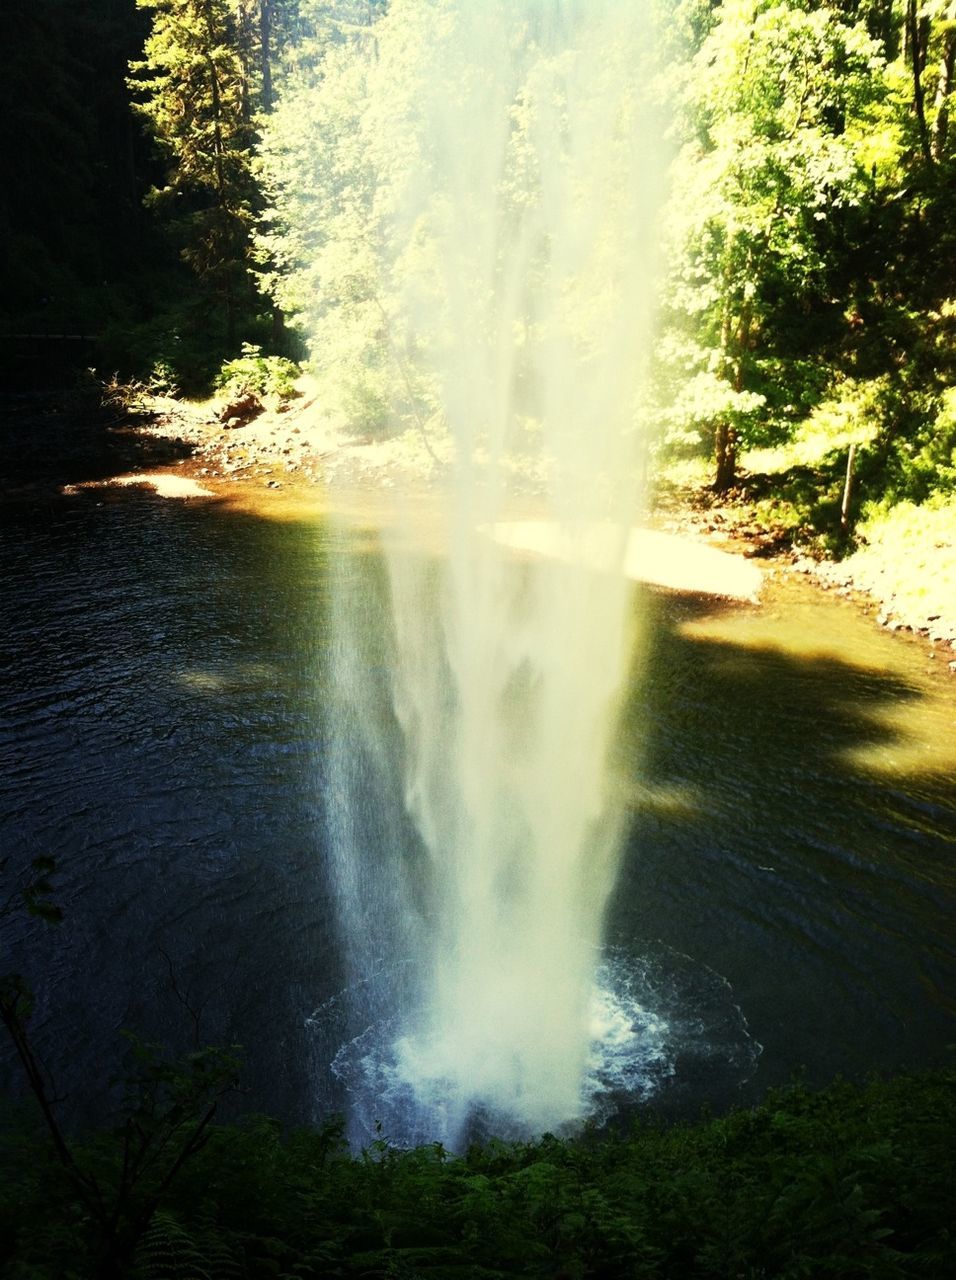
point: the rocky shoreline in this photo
(291, 445)
(904, 600)
(296, 448)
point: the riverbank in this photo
(903, 574)
(293, 445)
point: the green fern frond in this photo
(168, 1252)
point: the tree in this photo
(776, 101)
(199, 88)
(70, 212)
(320, 236)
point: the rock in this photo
(952, 667)
(240, 411)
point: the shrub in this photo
(255, 374)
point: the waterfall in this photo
(475, 829)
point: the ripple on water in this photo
(662, 1025)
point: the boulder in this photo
(240, 411)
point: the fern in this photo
(222, 1252)
(168, 1252)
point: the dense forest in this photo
(183, 178)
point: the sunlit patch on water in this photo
(661, 1023)
(228, 677)
(166, 484)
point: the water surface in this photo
(787, 891)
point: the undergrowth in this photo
(848, 1182)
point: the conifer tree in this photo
(199, 89)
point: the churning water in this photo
(519, 261)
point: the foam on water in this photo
(649, 1017)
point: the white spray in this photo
(519, 176)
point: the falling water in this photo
(475, 829)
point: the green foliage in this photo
(113, 1185)
(198, 85)
(320, 238)
(907, 552)
(167, 1252)
(816, 168)
(772, 105)
(848, 1182)
(256, 374)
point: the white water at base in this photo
(476, 833)
(660, 1024)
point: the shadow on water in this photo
(45, 443)
(164, 734)
(782, 836)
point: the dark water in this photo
(790, 866)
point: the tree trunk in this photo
(265, 45)
(847, 490)
(725, 454)
(916, 39)
(734, 342)
(944, 86)
(230, 316)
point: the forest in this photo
(202, 195)
(182, 179)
